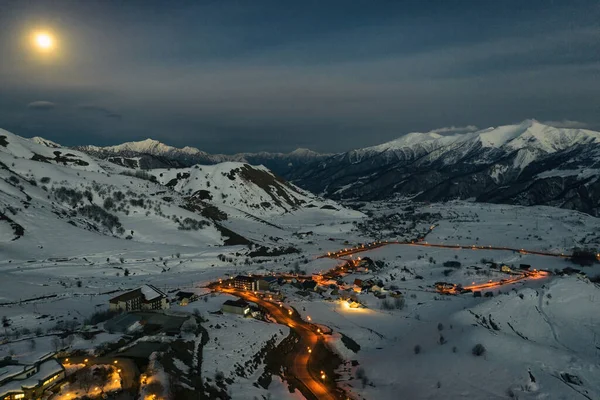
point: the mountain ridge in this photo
(540, 164)
(527, 163)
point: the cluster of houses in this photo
(375, 287)
(149, 297)
(329, 288)
(28, 380)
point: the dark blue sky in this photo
(231, 76)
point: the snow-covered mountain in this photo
(149, 153)
(50, 195)
(527, 163)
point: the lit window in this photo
(19, 396)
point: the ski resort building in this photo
(254, 283)
(18, 381)
(147, 297)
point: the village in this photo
(110, 371)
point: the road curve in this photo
(308, 338)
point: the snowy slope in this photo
(96, 206)
(251, 189)
(19, 147)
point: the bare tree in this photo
(5, 325)
(102, 377)
(174, 386)
(155, 388)
(85, 378)
(478, 350)
(362, 376)
(56, 343)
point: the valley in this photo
(375, 286)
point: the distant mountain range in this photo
(149, 154)
(527, 163)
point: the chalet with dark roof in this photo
(239, 306)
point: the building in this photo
(354, 304)
(377, 289)
(185, 298)
(243, 282)
(240, 307)
(147, 297)
(26, 382)
(309, 284)
(269, 282)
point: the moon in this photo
(44, 41)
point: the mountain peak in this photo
(45, 142)
(410, 139)
(302, 151)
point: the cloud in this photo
(566, 123)
(455, 129)
(41, 105)
(99, 110)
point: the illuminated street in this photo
(308, 339)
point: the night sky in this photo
(229, 76)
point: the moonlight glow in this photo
(44, 41)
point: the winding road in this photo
(300, 367)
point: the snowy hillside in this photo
(50, 195)
(38, 149)
(251, 189)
